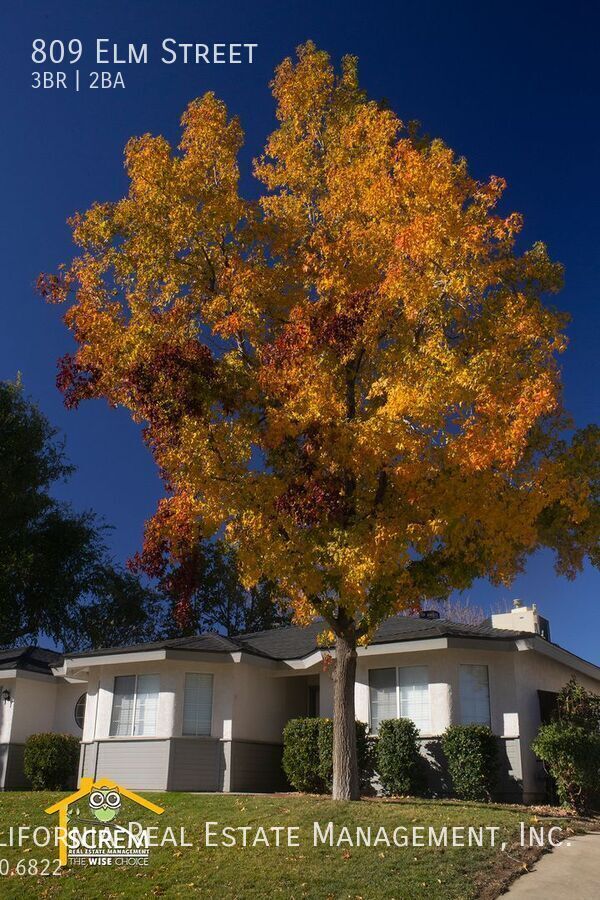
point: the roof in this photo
(211, 642)
(30, 659)
(293, 642)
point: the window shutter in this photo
(197, 704)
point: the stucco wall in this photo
(67, 696)
(249, 702)
(536, 672)
(37, 704)
(170, 703)
(262, 703)
(515, 677)
(34, 707)
(443, 666)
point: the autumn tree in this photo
(215, 598)
(352, 379)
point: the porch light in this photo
(6, 695)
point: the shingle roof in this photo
(30, 659)
(292, 642)
(211, 642)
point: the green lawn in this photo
(305, 871)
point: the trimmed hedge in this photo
(301, 762)
(399, 764)
(472, 754)
(50, 761)
(308, 754)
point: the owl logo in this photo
(105, 803)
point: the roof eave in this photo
(559, 654)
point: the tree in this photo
(353, 379)
(118, 610)
(455, 610)
(216, 600)
(55, 577)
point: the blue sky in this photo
(513, 87)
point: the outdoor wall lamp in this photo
(6, 695)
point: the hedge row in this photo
(50, 761)
(471, 751)
(308, 754)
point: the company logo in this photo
(89, 833)
(105, 803)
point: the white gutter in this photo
(73, 665)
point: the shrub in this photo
(364, 752)
(572, 756)
(308, 754)
(399, 763)
(50, 761)
(472, 754)
(569, 747)
(301, 755)
(578, 706)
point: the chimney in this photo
(522, 618)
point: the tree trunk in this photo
(345, 765)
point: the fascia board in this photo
(559, 654)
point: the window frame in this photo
(184, 733)
(397, 669)
(77, 702)
(462, 717)
(131, 733)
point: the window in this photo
(384, 700)
(197, 703)
(80, 711)
(413, 683)
(474, 695)
(135, 704)
(400, 693)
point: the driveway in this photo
(572, 870)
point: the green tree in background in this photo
(56, 577)
(217, 600)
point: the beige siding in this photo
(256, 767)
(196, 764)
(137, 764)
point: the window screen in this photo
(383, 695)
(197, 703)
(474, 695)
(413, 684)
(135, 705)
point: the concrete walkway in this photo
(572, 870)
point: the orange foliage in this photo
(353, 378)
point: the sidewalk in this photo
(569, 871)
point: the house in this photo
(206, 713)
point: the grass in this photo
(289, 872)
